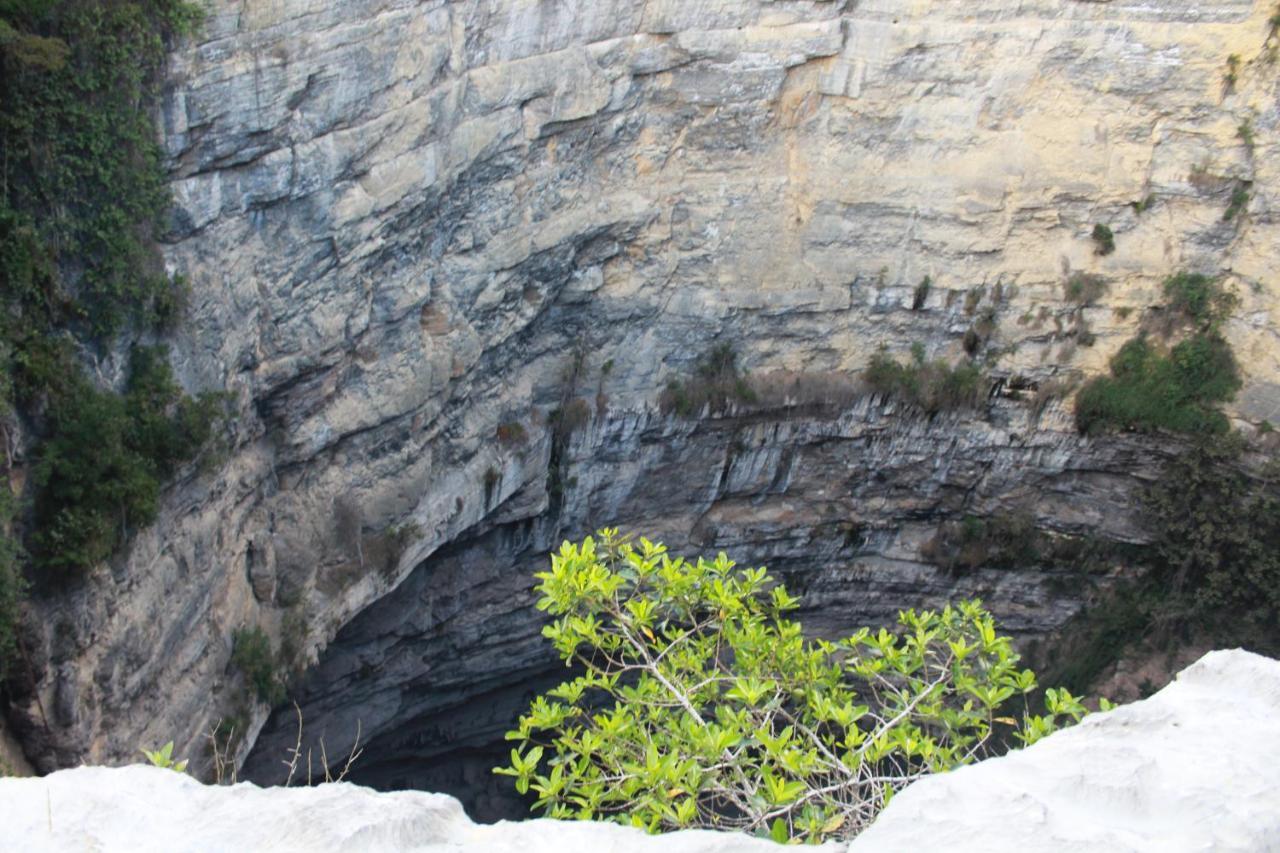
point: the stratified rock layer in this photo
(1195, 767)
(411, 227)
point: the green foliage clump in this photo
(101, 470)
(1104, 239)
(82, 192)
(1142, 206)
(251, 654)
(718, 381)
(1213, 571)
(1232, 75)
(973, 542)
(701, 705)
(83, 187)
(1085, 288)
(1198, 298)
(163, 758)
(933, 386)
(1217, 558)
(1150, 390)
(1245, 134)
(1236, 205)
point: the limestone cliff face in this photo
(402, 219)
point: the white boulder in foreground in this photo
(1194, 768)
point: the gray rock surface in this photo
(401, 219)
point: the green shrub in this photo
(933, 386)
(1004, 541)
(717, 382)
(101, 470)
(84, 178)
(1010, 540)
(1104, 240)
(1198, 298)
(701, 705)
(1236, 205)
(1212, 572)
(1141, 207)
(251, 654)
(1085, 288)
(1150, 390)
(1217, 529)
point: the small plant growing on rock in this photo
(1104, 239)
(251, 654)
(1236, 205)
(718, 381)
(1245, 134)
(1085, 288)
(699, 704)
(1198, 298)
(163, 758)
(1232, 75)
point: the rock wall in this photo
(402, 219)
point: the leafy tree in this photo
(1217, 527)
(700, 705)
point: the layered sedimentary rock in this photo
(414, 230)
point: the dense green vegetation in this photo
(1213, 571)
(82, 194)
(1198, 298)
(107, 456)
(1178, 389)
(933, 386)
(701, 705)
(1150, 389)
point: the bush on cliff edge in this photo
(701, 705)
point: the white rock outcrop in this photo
(1195, 767)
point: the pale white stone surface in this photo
(1194, 768)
